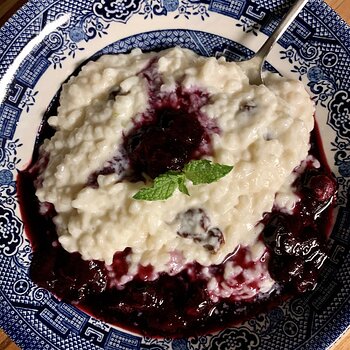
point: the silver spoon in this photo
(255, 75)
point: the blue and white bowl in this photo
(44, 42)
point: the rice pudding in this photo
(126, 119)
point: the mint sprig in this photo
(163, 187)
(205, 172)
(197, 171)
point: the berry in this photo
(322, 187)
(195, 224)
(167, 143)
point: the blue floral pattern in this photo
(69, 41)
(249, 26)
(10, 232)
(339, 113)
(116, 10)
(235, 339)
(315, 48)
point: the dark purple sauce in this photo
(179, 305)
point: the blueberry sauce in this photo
(179, 305)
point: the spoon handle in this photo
(280, 29)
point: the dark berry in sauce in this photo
(170, 141)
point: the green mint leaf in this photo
(182, 185)
(197, 171)
(163, 187)
(204, 171)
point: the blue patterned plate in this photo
(42, 44)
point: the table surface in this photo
(7, 7)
